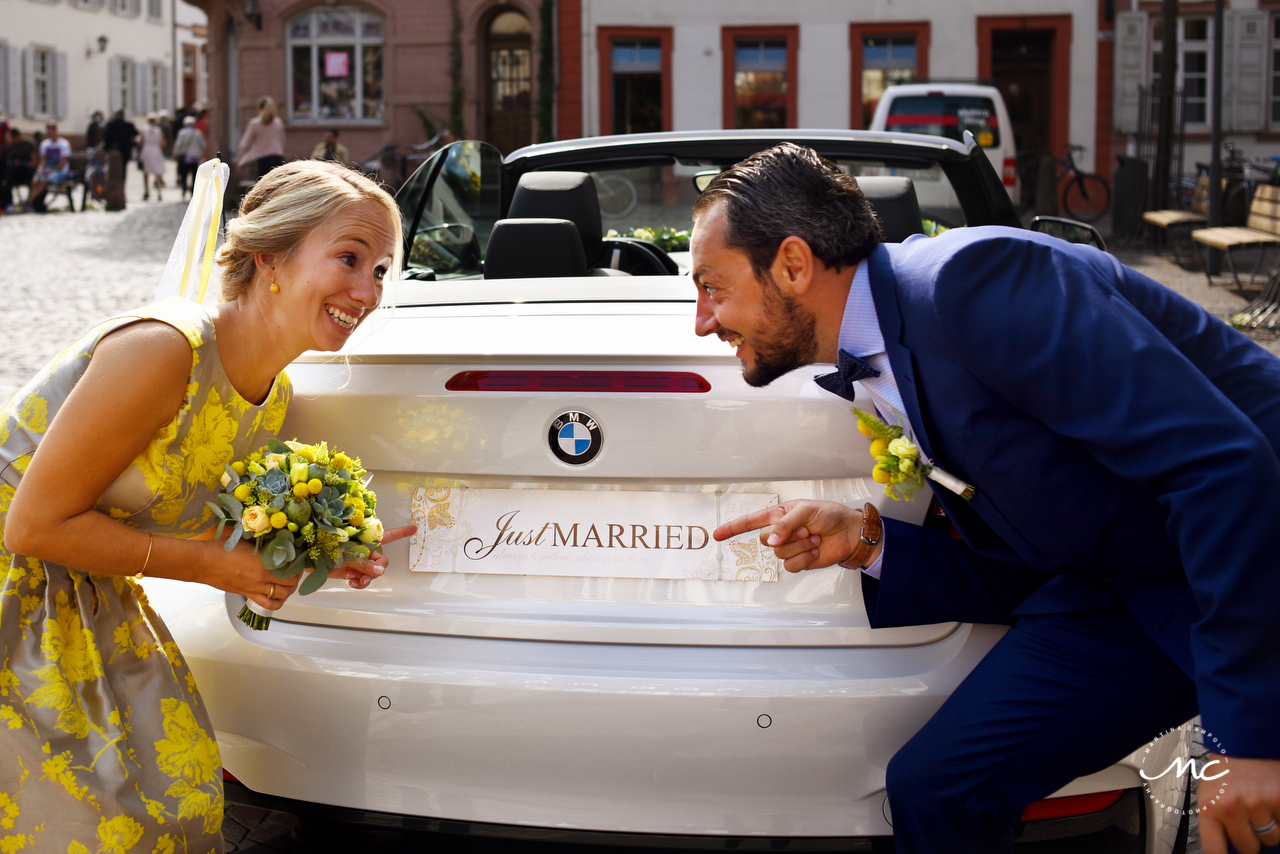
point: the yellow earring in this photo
(275, 289)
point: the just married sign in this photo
(586, 533)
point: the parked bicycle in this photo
(1087, 196)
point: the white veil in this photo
(191, 272)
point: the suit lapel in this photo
(884, 293)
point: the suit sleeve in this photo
(930, 577)
(1162, 395)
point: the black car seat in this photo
(527, 244)
(893, 198)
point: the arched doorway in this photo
(508, 51)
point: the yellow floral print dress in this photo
(105, 744)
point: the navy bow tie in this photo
(849, 371)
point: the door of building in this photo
(508, 82)
(1022, 68)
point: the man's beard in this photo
(791, 342)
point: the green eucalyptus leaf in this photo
(312, 582)
(298, 564)
(232, 504)
(236, 533)
(275, 446)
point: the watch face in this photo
(575, 437)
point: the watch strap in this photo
(868, 538)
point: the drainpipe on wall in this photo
(233, 89)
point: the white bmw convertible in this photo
(562, 651)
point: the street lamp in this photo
(102, 47)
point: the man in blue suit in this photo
(1120, 449)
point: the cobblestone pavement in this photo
(61, 272)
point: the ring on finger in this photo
(272, 594)
(1266, 828)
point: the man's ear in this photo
(793, 266)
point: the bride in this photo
(107, 458)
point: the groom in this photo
(1122, 447)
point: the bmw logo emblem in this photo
(575, 437)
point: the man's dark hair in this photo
(333, 131)
(789, 190)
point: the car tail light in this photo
(227, 776)
(639, 382)
(1070, 806)
(1010, 171)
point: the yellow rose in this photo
(902, 448)
(256, 519)
(273, 461)
(371, 532)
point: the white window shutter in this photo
(13, 83)
(29, 82)
(113, 84)
(138, 92)
(5, 72)
(60, 85)
(1244, 88)
(166, 89)
(1131, 61)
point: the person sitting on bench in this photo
(55, 166)
(20, 166)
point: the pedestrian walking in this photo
(263, 139)
(152, 157)
(120, 135)
(188, 150)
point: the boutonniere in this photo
(898, 464)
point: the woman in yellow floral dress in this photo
(107, 459)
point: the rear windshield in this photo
(946, 115)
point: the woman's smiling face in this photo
(334, 278)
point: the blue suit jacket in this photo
(1124, 446)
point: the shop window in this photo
(880, 56)
(635, 79)
(886, 60)
(335, 66)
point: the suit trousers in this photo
(1058, 697)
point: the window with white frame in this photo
(42, 82)
(126, 8)
(155, 10)
(120, 85)
(335, 66)
(1194, 45)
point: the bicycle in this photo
(1086, 197)
(617, 193)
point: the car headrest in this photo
(894, 200)
(534, 249)
(561, 195)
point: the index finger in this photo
(751, 522)
(392, 534)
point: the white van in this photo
(950, 109)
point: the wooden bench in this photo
(1173, 222)
(1262, 231)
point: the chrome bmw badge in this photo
(575, 437)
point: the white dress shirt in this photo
(860, 336)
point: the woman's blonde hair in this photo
(286, 205)
(266, 109)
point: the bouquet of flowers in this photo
(305, 507)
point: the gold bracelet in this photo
(151, 541)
